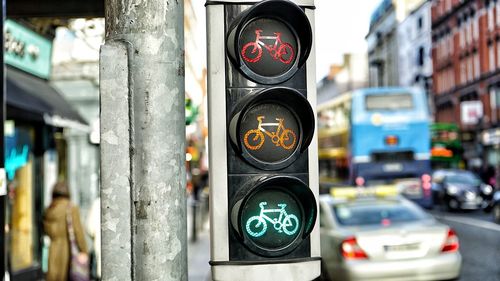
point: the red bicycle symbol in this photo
(252, 51)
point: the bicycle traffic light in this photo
(263, 155)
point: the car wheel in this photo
(496, 213)
(452, 205)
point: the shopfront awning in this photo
(33, 99)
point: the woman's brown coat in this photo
(55, 226)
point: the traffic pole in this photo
(3, 178)
(144, 234)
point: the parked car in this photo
(494, 207)
(459, 189)
(374, 237)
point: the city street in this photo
(479, 243)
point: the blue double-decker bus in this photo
(377, 136)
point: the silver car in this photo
(386, 239)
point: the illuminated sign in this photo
(282, 222)
(281, 137)
(16, 159)
(27, 50)
(278, 41)
(274, 214)
(269, 141)
(270, 128)
(441, 152)
(270, 42)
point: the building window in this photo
(491, 57)
(498, 54)
(468, 36)
(461, 34)
(469, 68)
(490, 17)
(475, 32)
(440, 49)
(495, 104)
(498, 12)
(420, 59)
(448, 5)
(452, 77)
(462, 71)
(477, 71)
(450, 44)
(420, 23)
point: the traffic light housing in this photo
(263, 155)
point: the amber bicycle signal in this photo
(252, 51)
(254, 139)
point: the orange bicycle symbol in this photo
(252, 51)
(254, 139)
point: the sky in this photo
(341, 27)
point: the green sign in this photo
(191, 111)
(27, 50)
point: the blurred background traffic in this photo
(408, 103)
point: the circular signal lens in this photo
(268, 47)
(270, 132)
(271, 218)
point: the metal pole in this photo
(194, 231)
(144, 233)
(3, 193)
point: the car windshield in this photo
(462, 179)
(371, 213)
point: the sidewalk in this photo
(199, 251)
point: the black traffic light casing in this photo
(265, 174)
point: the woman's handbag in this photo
(78, 270)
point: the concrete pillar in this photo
(143, 142)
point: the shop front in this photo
(491, 143)
(36, 116)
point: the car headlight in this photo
(487, 189)
(496, 196)
(452, 189)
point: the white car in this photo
(384, 238)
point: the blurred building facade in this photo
(415, 48)
(466, 74)
(351, 75)
(75, 73)
(382, 40)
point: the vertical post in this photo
(3, 193)
(143, 141)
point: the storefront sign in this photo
(491, 137)
(470, 112)
(27, 50)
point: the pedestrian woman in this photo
(55, 223)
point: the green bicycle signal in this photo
(256, 226)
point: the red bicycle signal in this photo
(282, 51)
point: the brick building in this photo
(466, 73)
(382, 40)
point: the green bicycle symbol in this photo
(256, 226)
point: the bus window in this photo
(389, 102)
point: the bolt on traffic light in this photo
(261, 125)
